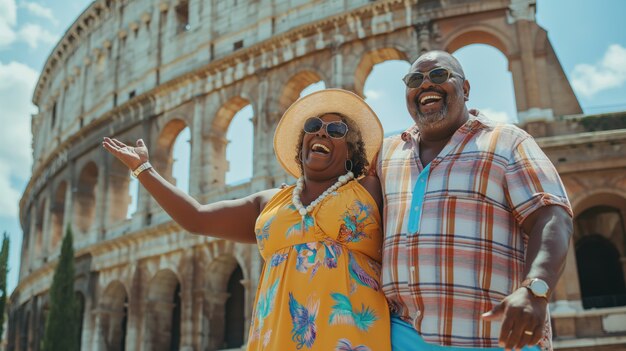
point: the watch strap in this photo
(142, 167)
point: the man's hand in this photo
(521, 313)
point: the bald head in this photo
(444, 59)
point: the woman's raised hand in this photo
(131, 156)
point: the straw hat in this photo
(316, 104)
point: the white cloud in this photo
(373, 94)
(39, 11)
(8, 19)
(34, 34)
(498, 116)
(30, 33)
(610, 72)
(8, 12)
(17, 82)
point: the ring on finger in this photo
(528, 332)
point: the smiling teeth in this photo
(423, 100)
(320, 146)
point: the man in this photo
(477, 221)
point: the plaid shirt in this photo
(468, 253)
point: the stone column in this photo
(199, 337)
(102, 198)
(30, 243)
(99, 337)
(566, 295)
(68, 213)
(337, 64)
(528, 92)
(422, 31)
(196, 173)
(46, 226)
(214, 313)
(250, 289)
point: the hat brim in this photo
(316, 104)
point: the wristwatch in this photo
(141, 168)
(537, 287)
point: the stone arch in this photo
(602, 212)
(594, 254)
(234, 310)
(600, 246)
(372, 58)
(85, 198)
(163, 309)
(114, 316)
(40, 228)
(163, 159)
(291, 90)
(226, 302)
(57, 210)
(478, 34)
(218, 140)
(118, 199)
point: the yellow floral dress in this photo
(320, 287)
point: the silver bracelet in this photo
(142, 167)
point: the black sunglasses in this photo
(334, 129)
(436, 76)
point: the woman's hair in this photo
(356, 146)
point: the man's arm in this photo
(549, 229)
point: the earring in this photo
(348, 169)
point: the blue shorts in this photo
(405, 338)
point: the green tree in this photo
(62, 322)
(4, 268)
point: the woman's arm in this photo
(372, 184)
(231, 219)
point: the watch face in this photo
(539, 287)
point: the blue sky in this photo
(589, 38)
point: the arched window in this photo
(384, 92)
(181, 153)
(80, 316)
(58, 213)
(600, 270)
(182, 16)
(491, 90)
(313, 88)
(133, 192)
(39, 228)
(239, 151)
(85, 198)
(163, 315)
(235, 318)
(114, 305)
(172, 154)
(175, 324)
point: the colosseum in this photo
(137, 68)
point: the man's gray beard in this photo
(431, 119)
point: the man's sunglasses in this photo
(334, 129)
(436, 76)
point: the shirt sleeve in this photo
(532, 181)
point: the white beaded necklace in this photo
(297, 191)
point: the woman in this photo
(320, 238)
